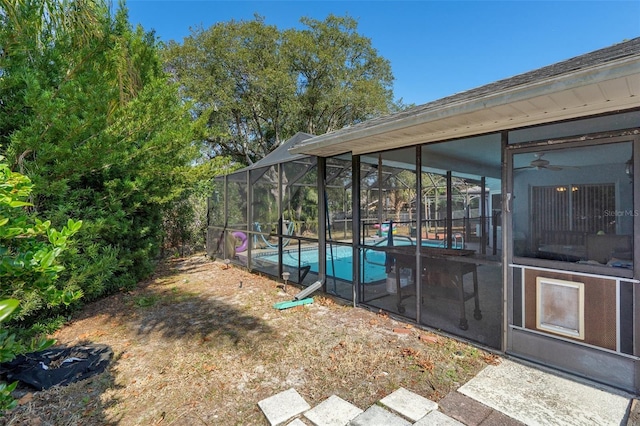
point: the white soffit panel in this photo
(607, 88)
(600, 98)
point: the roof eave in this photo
(627, 69)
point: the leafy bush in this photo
(29, 270)
(7, 353)
(29, 248)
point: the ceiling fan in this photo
(540, 163)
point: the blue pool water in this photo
(341, 266)
(340, 260)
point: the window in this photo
(566, 214)
(574, 204)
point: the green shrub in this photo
(29, 268)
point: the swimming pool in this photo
(339, 262)
(340, 259)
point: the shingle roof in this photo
(607, 54)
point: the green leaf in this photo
(73, 225)
(42, 344)
(17, 203)
(7, 306)
(47, 259)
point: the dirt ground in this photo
(201, 344)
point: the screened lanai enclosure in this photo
(265, 218)
(357, 224)
(505, 215)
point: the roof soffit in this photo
(599, 89)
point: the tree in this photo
(341, 80)
(185, 220)
(89, 115)
(401, 193)
(253, 86)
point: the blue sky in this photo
(436, 48)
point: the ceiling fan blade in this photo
(566, 167)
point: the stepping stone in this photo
(282, 406)
(297, 422)
(436, 418)
(378, 416)
(409, 404)
(333, 411)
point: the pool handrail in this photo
(285, 241)
(385, 240)
(458, 241)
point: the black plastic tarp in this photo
(57, 365)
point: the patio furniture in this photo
(442, 277)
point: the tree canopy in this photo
(253, 86)
(108, 124)
(89, 115)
